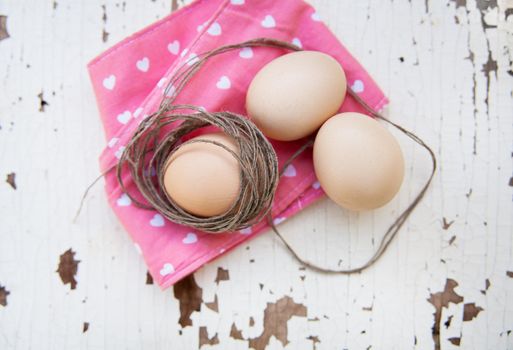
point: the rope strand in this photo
(394, 228)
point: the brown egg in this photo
(358, 162)
(291, 96)
(203, 178)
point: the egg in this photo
(358, 162)
(291, 96)
(203, 178)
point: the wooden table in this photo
(446, 281)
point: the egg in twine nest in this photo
(159, 137)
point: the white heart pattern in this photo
(137, 112)
(119, 152)
(316, 17)
(237, 2)
(157, 221)
(201, 26)
(143, 64)
(124, 117)
(124, 201)
(246, 231)
(167, 269)
(268, 22)
(190, 238)
(246, 52)
(290, 171)
(224, 83)
(193, 58)
(214, 29)
(109, 82)
(112, 142)
(297, 42)
(174, 47)
(316, 185)
(358, 86)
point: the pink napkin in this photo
(129, 79)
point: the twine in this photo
(153, 143)
(394, 228)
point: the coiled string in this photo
(160, 135)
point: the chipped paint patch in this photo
(11, 180)
(222, 275)
(470, 311)
(440, 300)
(460, 3)
(3, 295)
(3, 28)
(190, 296)
(276, 316)
(68, 268)
(205, 340)
(105, 34)
(214, 306)
(174, 5)
(446, 224)
(315, 340)
(149, 278)
(235, 333)
(42, 102)
(455, 341)
(489, 67)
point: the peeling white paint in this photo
(438, 89)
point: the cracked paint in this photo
(105, 34)
(455, 341)
(174, 5)
(190, 296)
(315, 340)
(3, 28)
(42, 102)
(149, 278)
(68, 268)
(205, 340)
(235, 333)
(11, 180)
(222, 275)
(470, 311)
(446, 224)
(276, 316)
(488, 68)
(440, 300)
(3, 295)
(214, 306)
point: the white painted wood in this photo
(441, 91)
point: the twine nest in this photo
(148, 153)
